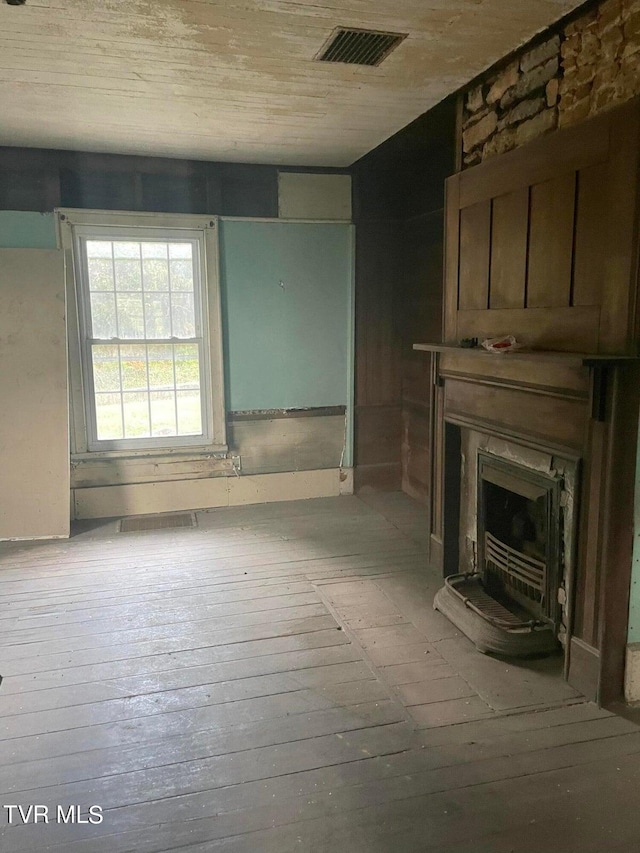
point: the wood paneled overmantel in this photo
(541, 242)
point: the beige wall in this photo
(34, 442)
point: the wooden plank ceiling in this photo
(236, 80)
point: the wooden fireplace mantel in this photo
(541, 357)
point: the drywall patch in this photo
(302, 195)
(24, 229)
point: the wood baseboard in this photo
(173, 496)
(632, 673)
(385, 477)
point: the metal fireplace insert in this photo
(519, 537)
(509, 606)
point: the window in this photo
(144, 321)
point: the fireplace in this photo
(531, 511)
(519, 537)
(507, 584)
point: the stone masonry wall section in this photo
(592, 64)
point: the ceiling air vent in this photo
(359, 47)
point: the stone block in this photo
(578, 111)
(581, 23)
(522, 111)
(574, 95)
(627, 83)
(631, 26)
(472, 159)
(473, 118)
(536, 126)
(589, 50)
(603, 98)
(551, 92)
(500, 143)
(581, 75)
(630, 61)
(611, 43)
(605, 77)
(540, 54)
(505, 80)
(629, 51)
(570, 47)
(475, 99)
(479, 132)
(609, 13)
(530, 82)
(629, 7)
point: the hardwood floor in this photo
(275, 679)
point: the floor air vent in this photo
(359, 47)
(156, 522)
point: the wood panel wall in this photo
(541, 241)
(41, 179)
(420, 312)
(398, 209)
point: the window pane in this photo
(99, 249)
(181, 275)
(156, 313)
(136, 415)
(181, 250)
(163, 413)
(134, 367)
(154, 250)
(130, 315)
(187, 366)
(156, 274)
(128, 249)
(189, 413)
(100, 274)
(103, 316)
(143, 290)
(183, 315)
(108, 416)
(161, 366)
(128, 275)
(106, 368)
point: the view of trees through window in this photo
(145, 338)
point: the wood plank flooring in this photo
(276, 680)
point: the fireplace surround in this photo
(546, 437)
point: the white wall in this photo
(34, 441)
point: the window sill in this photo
(158, 453)
(102, 469)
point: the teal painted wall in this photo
(21, 229)
(286, 290)
(634, 603)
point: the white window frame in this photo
(76, 226)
